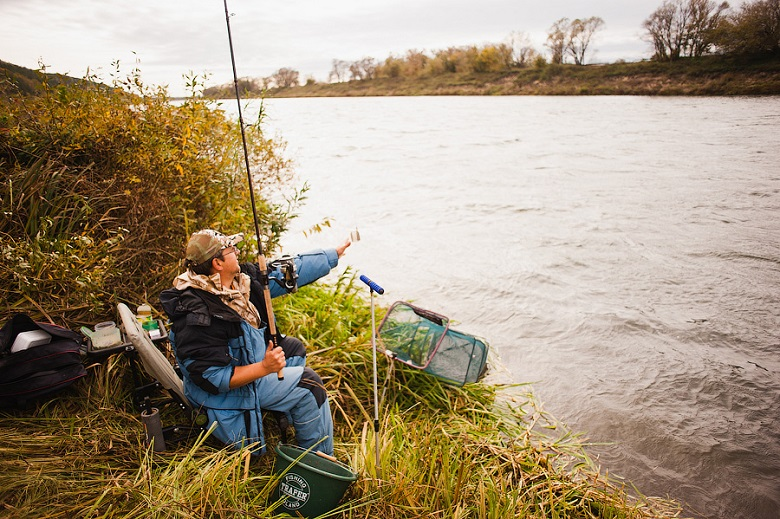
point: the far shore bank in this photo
(703, 77)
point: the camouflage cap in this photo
(205, 244)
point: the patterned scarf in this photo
(236, 296)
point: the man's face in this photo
(229, 261)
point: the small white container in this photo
(29, 339)
(106, 334)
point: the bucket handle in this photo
(323, 455)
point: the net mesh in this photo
(423, 339)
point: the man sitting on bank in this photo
(228, 359)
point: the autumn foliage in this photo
(102, 185)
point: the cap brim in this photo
(235, 238)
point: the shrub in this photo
(103, 185)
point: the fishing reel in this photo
(289, 279)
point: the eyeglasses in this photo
(228, 250)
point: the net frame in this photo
(424, 340)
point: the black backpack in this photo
(39, 370)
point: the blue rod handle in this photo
(373, 286)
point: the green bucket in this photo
(313, 485)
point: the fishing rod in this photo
(261, 261)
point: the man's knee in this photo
(311, 381)
(292, 347)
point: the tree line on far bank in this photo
(676, 29)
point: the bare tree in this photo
(339, 71)
(523, 52)
(368, 66)
(580, 34)
(666, 27)
(355, 73)
(683, 27)
(286, 77)
(362, 69)
(705, 16)
(557, 38)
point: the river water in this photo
(622, 254)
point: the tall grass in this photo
(445, 452)
(477, 451)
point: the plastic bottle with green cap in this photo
(143, 313)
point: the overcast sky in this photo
(171, 38)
